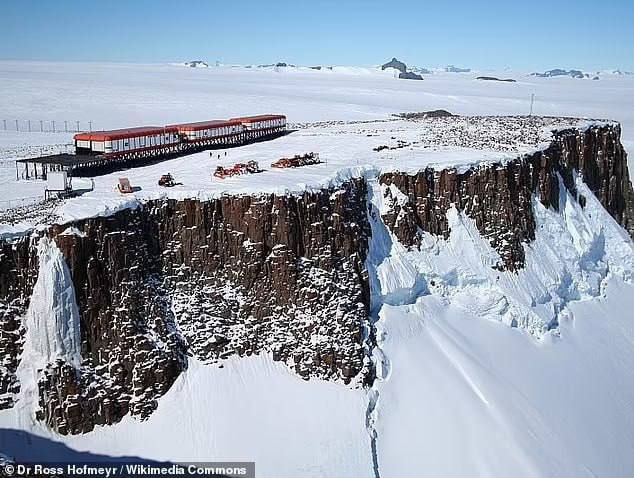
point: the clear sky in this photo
(537, 34)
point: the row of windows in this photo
(270, 123)
(209, 133)
(142, 142)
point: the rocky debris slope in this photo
(233, 276)
(498, 197)
(495, 133)
(42, 212)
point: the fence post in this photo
(17, 128)
(65, 126)
(78, 126)
(4, 123)
(90, 126)
(29, 123)
(53, 126)
(41, 126)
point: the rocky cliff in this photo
(498, 196)
(232, 276)
(17, 263)
(285, 275)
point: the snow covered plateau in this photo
(441, 297)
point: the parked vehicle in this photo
(297, 161)
(237, 169)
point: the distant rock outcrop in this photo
(493, 78)
(196, 64)
(410, 75)
(402, 68)
(279, 64)
(560, 72)
(426, 114)
(394, 63)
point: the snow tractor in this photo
(297, 161)
(237, 169)
(167, 181)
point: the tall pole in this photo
(90, 126)
(17, 128)
(532, 101)
(65, 126)
(78, 126)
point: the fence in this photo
(46, 126)
(8, 155)
(13, 203)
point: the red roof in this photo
(200, 125)
(253, 119)
(125, 133)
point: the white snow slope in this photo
(483, 373)
(466, 392)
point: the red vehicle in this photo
(237, 169)
(297, 161)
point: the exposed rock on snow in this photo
(197, 64)
(495, 78)
(410, 75)
(561, 72)
(426, 114)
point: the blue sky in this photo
(535, 34)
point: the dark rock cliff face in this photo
(231, 276)
(17, 261)
(131, 349)
(284, 274)
(498, 197)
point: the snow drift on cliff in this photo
(52, 322)
(52, 327)
(574, 251)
